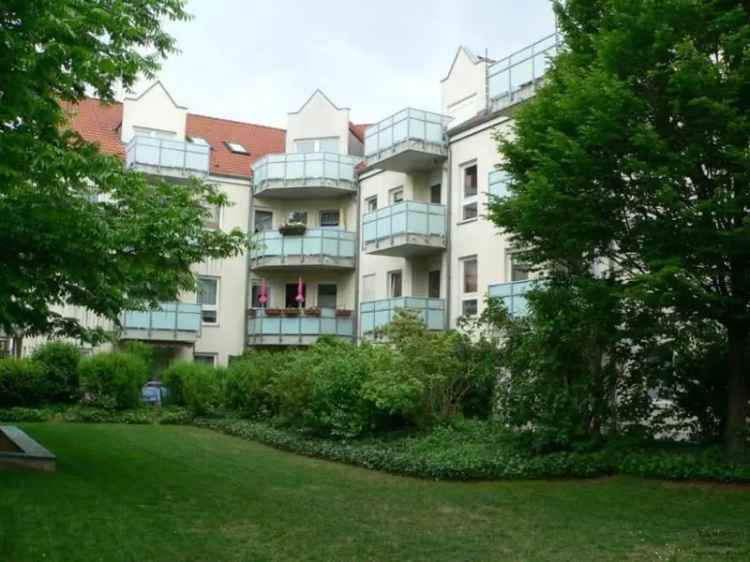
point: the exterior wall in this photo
(476, 237)
(282, 207)
(356, 146)
(226, 338)
(318, 118)
(463, 91)
(154, 109)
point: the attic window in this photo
(199, 140)
(236, 147)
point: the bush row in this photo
(93, 414)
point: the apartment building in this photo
(350, 222)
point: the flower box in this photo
(273, 312)
(343, 313)
(312, 311)
(252, 313)
(291, 312)
(293, 229)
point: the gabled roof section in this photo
(317, 92)
(475, 59)
(163, 89)
(99, 123)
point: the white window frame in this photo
(255, 222)
(236, 148)
(320, 218)
(368, 201)
(206, 354)
(469, 295)
(390, 276)
(509, 259)
(154, 133)
(214, 307)
(471, 200)
(219, 218)
(392, 195)
(317, 144)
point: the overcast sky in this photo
(253, 60)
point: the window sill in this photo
(467, 221)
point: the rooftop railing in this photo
(517, 76)
(308, 170)
(167, 156)
(174, 321)
(319, 247)
(375, 315)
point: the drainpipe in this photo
(248, 273)
(357, 242)
(449, 239)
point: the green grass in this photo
(164, 493)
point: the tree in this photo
(77, 228)
(636, 151)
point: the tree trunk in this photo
(739, 392)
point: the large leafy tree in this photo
(77, 228)
(637, 151)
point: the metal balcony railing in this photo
(167, 156)
(409, 223)
(378, 314)
(303, 329)
(175, 321)
(277, 174)
(513, 295)
(316, 247)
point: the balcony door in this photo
(291, 295)
(327, 295)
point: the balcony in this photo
(320, 248)
(513, 295)
(409, 141)
(405, 229)
(300, 176)
(167, 157)
(517, 77)
(305, 329)
(172, 322)
(375, 315)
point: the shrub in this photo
(21, 383)
(194, 385)
(248, 386)
(113, 379)
(59, 364)
(143, 350)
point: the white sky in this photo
(256, 60)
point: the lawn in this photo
(165, 493)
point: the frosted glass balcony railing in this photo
(297, 330)
(408, 141)
(167, 156)
(517, 77)
(513, 295)
(175, 321)
(498, 183)
(405, 228)
(320, 248)
(305, 175)
(375, 315)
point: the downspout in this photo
(449, 240)
(357, 242)
(248, 273)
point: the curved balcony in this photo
(167, 157)
(375, 315)
(173, 322)
(301, 176)
(412, 140)
(319, 248)
(405, 229)
(305, 329)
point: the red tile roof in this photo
(359, 130)
(100, 123)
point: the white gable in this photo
(154, 109)
(318, 118)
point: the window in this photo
(208, 297)
(255, 296)
(519, 269)
(307, 146)
(327, 295)
(263, 221)
(396, 195)
(199, 140)
(329, 218)
(469, 307)
(470, 205)
(470, 271)
(436, 194)
(395, 279)
(208, 359)
(433, 284)
(290, 300)
(213, 219)
(156, 133)
(368, 287)
(297, 217)
(236, 147)
(371, 204)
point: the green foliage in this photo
(21, 382)
(113, 380)
(249, 382)
(143, 350)
(199, 387)
(59, 364)
(87, 232)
